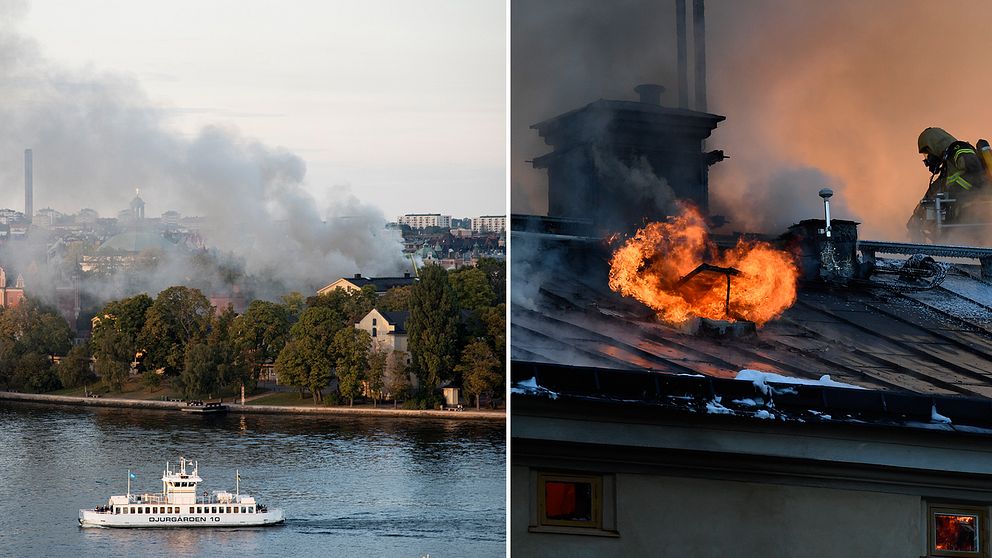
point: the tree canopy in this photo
(433, 328)
(179, 316)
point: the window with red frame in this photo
(958, 531)
(570, 500)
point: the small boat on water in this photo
(178, 505)
(200, 407)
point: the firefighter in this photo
(955, 161)
(956, 172)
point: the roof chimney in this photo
(358, 276)
(650, 93)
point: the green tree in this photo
(397, 380)
(472, 289)
(396, 299)
(433, 328)
(495, 271)
(113, 355)
(199, 372)
(291, 366)
(260, 334)
(30, 334)
(375, 376)
(179, 316)
(34, 372)
(75, 369)
(351, 350)
(294, 303)
(232, 371)
(115, 338)
(494, 322)
(480, 370)
(319, 365)
(36, 328)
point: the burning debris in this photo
(663, 267)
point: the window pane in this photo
(956, 532)
(568, 501)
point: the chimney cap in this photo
(650, 93)
(826, 193)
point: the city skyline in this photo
(374, 104)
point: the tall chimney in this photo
(28, 186)
(682, 54)
(699, 43)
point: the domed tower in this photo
(137, 206)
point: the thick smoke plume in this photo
(96, 137)
(815, 93)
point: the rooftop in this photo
(906, 346)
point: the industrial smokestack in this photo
(28, 185)
(699, 43)
(682, 54)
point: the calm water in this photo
(349, 486)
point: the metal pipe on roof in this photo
(699, 44)
(682, 54)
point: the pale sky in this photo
(403, 101)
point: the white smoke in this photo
(96, 136)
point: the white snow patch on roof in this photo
(748, 402)
(937, 417)
(530, 387)
(761, 379)
(715, 408)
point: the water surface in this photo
(349, 486)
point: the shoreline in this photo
(68, 400)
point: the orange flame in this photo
(650, 265)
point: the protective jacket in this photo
(956, 161)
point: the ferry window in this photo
(117, 511)
(213, 509)
(228, 509)
(251, 510)
(176, 509)
(958, 531)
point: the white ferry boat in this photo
(178, 506)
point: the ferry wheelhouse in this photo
(179, 506)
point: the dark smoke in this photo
(96, 137)
(812, 90)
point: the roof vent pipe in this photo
(699, 43)
(825, 194)
(682, 49)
